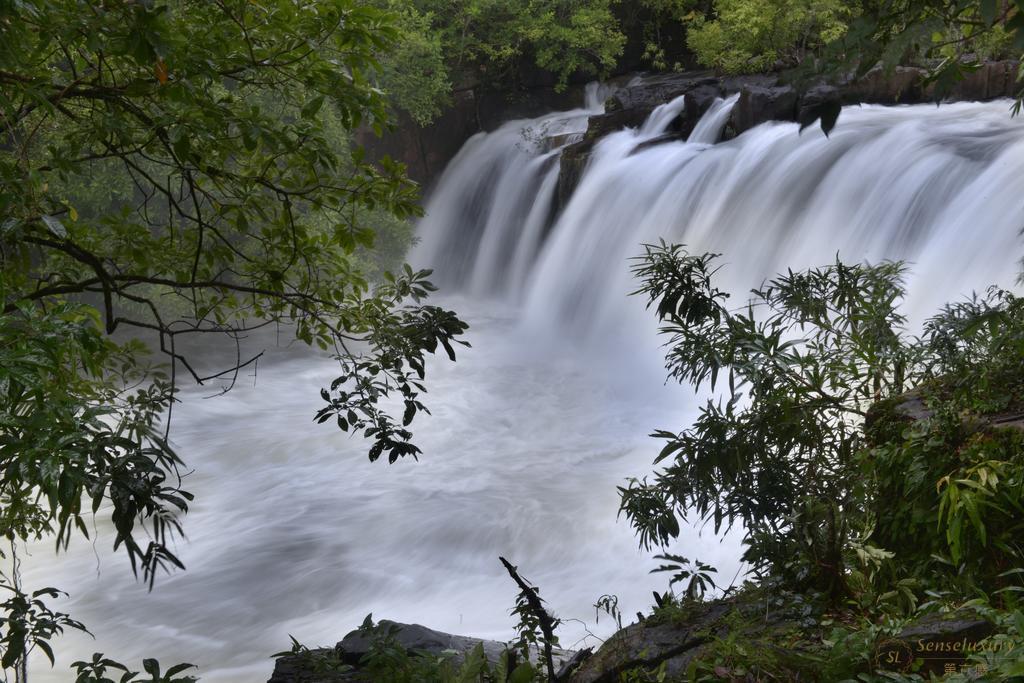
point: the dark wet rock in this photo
(572, 164)
(648, 643)
(785, 634)
(902, 85)
(629, 107)
(671, 136)
(1009, 421)
(496, 107)
(658, 89)
(700, 99)
(759, 104)
(293, 669)
(820, 102)
(414, 638)
(764, 98)
(426, 150)
(951, 626)
(906, 85)
(911, 406)
(887, 419)
(601, 125)
(671, 642)
(784, 628)
(573, 664)
(417, 638)
(937, 640)
(555, 141)
(991, 81)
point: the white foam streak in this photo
(709, 129)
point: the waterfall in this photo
(941, 187)
(486, 219)
(294, 532)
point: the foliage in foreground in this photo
(172, 171)
(877, 503)
(387, 659)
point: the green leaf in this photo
(178, 668)
(152, 667)
(54, 225)
(15, 647)
(524, 673)
(9, 226)
(47, 650)
(311, 108)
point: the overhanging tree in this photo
(177, 169)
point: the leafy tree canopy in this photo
(758, 35)
(490, 40)
(949, 37)
(172, 170)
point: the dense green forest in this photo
(189, 168)
(469, 43)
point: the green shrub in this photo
(838, 489)
(758, 35)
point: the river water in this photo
(294, 532)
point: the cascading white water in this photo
(500, 179)
(293, 532)
(940, 187)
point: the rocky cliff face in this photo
(766, 97)
(763, 97)
(426, 150)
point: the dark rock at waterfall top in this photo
(601, 125)
(426, 150)
(699, 100)
(764, 98)
(495, 107)
(658, 89)
(822, 102)
(660, 140)
(572, 163)
(902, 85)
(991, 81)
(759, 104)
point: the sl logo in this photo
(894, 655)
